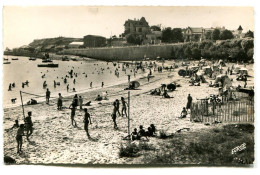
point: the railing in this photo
(236, 110)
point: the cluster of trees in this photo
(134, 39)
(170, 35)
(232, 50)
(217, 35)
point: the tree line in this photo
(231, 49)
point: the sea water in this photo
(21, 70)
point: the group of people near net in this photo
(78, 101)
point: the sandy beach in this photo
(55, 141)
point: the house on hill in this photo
(193, 34)
(136, 27)
(198, 33)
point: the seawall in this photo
(125, 53)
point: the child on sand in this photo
(19, 138)
(183, 113)
(86, 121)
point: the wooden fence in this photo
(239, 110)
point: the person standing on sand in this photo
(114, 115)
(19, 138)
(117, 106)
(48, 95)
(148, 78)
(80, 102)
(188, 106)
(86, 121)
(28, 125)
(68, 88)
(102, 85)
(60, 102)
(72, 115)
(123, 106)
(76, 100)
(91, 84)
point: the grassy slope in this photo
(211, 146)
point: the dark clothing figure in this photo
(188, 106)
(153, 128)
(28, 125)
(117, 106)
(60, 102)
(86, 121)
(135, 135)
(48, 95)
(75, 100)
(114, 116)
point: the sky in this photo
(21, 25)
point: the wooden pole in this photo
(22, 104)
(129, 113)
(129, 106)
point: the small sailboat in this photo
(32, 59)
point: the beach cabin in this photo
(75, 45)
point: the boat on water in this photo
(73, 59)
(48, 65)
(47, 61)
(65, 58)
(14, 58)
(32, 59)
(5, 59)
(7, 62)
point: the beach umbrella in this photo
(243, 71)
(135, 84)
(182, 72)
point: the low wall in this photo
(124, 53)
